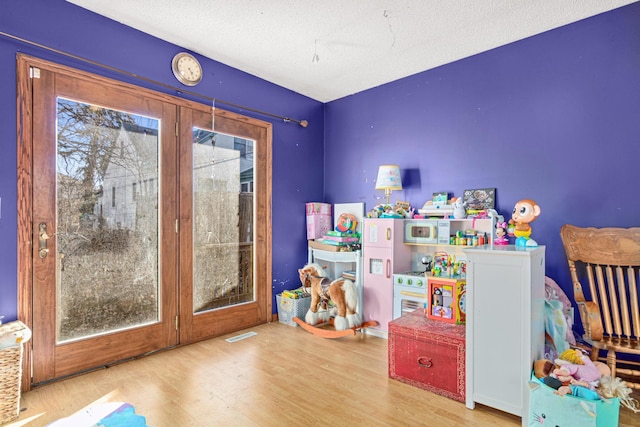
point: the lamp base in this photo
(387, 195)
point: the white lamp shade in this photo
(388, 178)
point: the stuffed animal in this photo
(12, 336)
(458, 209)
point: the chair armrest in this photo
(590, 315)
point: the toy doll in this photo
(501, 233)
(574, 367)
(605, 386)
(558, 376)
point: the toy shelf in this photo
(336, 263)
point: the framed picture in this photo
(479, 199)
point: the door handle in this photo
(42, 240)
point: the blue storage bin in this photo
(547, 408)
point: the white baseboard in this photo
(376, 333)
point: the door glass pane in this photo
(107, 225)
(222, 220)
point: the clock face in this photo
(187, 69)
(462, 303)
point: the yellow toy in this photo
(524, 212)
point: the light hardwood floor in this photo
(283, 376)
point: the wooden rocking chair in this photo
(608, 261)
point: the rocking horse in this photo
(341, 292)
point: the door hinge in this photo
(34, 72)
(177, 322)
(177, 226)
(177, 128)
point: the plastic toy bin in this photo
(10, 372)
(288, 308)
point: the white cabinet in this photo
(505, 325)
(335, 263)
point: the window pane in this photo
(107, 235)
(222, 220)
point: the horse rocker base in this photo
(333, 333)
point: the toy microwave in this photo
(421, 231)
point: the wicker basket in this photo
(10, 376)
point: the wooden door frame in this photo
(239, 316)
(24, 130)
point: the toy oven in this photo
(423, 231)
(409, 293)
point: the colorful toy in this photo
(558, 378)
(377, 211)
(574, 367)
(501, 234)
(458, 209)
(446, 299)
(401, 210)
(524, 212)
(341, 292)
(404, 209)
(461, 306)
(603, 385)
(441, 263)
(346, 223)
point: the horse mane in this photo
(318, 269)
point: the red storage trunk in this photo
(428, 354)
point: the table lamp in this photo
(388, 180)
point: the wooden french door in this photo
(228, 238)
(108, 263)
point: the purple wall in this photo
(297, 152)
(555, 118)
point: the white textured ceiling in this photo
(328, 49)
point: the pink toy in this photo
(501, 233)
(575, 373)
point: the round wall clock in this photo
(187, 69)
